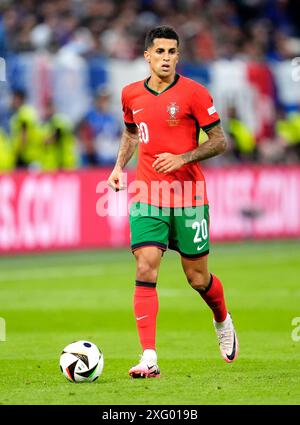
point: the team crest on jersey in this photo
(173, 109)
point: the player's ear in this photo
(147, 56)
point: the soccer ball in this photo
(81, 361)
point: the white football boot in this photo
(227, 338)
(147, 367)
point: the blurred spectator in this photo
(25, 132)
(243, 143)
(43, 34)
(288, 129)
(58, 150)
(7, 162)
(9, 30)
(99, 132)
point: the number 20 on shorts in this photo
(201, 230)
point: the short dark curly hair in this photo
(160, 32)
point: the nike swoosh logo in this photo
(142, 317)
(153, 370)
(135, 112)
(200, 247)
(151, 367)
(231, 356)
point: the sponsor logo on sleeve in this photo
(211, 110)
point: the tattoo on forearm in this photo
(215, 145)
(129, 141)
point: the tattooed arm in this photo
(215, 145)
(129, 141)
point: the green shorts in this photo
(185, 230)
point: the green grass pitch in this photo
(51, 300)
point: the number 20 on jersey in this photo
(143, 132)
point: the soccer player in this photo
(164, 114)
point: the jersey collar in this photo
(156, 93)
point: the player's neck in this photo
(160, 84)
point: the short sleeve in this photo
(127, 113)
(203, 108)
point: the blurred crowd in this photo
(209, 29)
(254, 30)
(51, 143)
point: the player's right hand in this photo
(116, 180)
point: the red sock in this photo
(214, 298)
(145, 310)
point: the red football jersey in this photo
(169, 121)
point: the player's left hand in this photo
(167, 162)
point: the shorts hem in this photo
(189, 256)
(160, 245)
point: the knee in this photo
(198, 279)
(146, 272)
